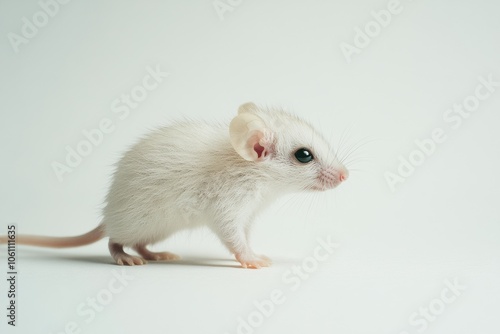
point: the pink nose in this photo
(342, 177)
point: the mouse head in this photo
(294, 153)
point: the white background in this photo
(396, 247)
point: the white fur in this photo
(188, 174)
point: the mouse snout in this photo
(343, 176)
(330, 178)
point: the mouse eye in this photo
(303, 155)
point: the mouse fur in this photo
(193, 173)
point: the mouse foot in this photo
(254, 261)
(121, 258)
(156, 256)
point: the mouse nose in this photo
(332, 177)
(343, 176)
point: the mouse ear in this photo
(250, 137)
(248, 107)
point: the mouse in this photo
(191, 174)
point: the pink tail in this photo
(59, 242)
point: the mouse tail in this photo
(58, 242)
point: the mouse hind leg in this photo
(154, 256)
(123, 258)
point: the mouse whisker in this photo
(357, 146)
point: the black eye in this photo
(303, 155)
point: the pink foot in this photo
(121, 258)
(129, 260)
(153, 256)
(254, 261)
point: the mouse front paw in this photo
(253, 261)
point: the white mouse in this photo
(193, 174)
